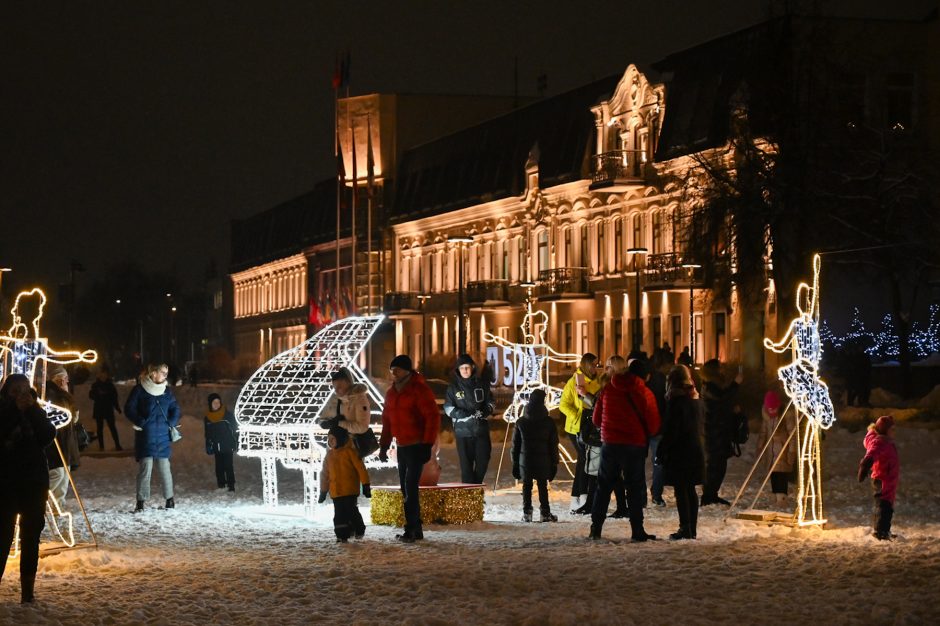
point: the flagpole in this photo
(355, 208)
(339, 178)
(370, 181)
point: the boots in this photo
(527, 516)
(170, 503)
(547, 517)
(595, 533)
(139, 507)
(26, 593)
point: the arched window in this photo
(657, 228)
(639, 239)
(600, 246)
(618, 244)
(543, 252)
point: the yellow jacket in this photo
(572, 405)
(342, 472)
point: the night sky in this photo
(138, 130)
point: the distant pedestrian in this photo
(25, 433)
(534, 455)
(412, 418)
(685, 358)
(342, 474)
(680, 451)
(221, 440)
(776, 437)
(881, 460)
(105, 397)
(469, 404)
(152, 409)
(720, 423)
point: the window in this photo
(494, 261)
(585, 249)
(618, 245)
(478, 252)
(543, 251)
(676, 333)
(638, 231)
(601, 253)
(521, 273)
(569, 344)
(583, 338)
(599, 337)
(569, 253)
(699, 338)
(432, 274)
(657, 332)
(636, 332)
(445, 275)
(658, 232)
(720, 352)
(618, 336)
(505, 273)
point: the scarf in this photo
(151, 387)
(216, 416)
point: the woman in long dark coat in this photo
(680, 450)
(25, 432)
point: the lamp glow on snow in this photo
(23, 350)
(809, 397)
(278, 408)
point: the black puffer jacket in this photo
(465, 398)
(23, 441)
(680, 451)
(719, 418)
(535, 443)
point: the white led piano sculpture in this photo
(278, 408)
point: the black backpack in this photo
(740, 432)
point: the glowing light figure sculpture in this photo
(29, 353)
(809, 397)
(536, 356)
(278, 407)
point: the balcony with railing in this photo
(487, 292)
(666, 271)
(401, 302)
(563, 283)
(617, 170)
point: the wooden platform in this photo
(448, 503)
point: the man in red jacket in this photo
(627, 415)
(410, 416)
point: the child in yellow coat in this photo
(342, 473)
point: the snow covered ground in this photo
(217, 559)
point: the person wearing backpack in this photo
(626, 414)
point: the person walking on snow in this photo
(412, 418)
(778, 438)
(221, 440)
(342, 474)
(577, 398)
(881, 461)
(534, 455)
(152, 409)
(469, 403)
(105, 396)
(720, 422)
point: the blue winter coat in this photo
(153, 415)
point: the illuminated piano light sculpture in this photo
(278, 408)
(23, 350)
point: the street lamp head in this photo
(463, 239)
(423, 297)
(117, 301)
(691, 266)
(169, 295)
(173, 309)
(528, 284)
(637, 250)
(6, 269)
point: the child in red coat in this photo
(881, 459)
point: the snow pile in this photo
(217, 559)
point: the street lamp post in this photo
(461, 327)
(691, 267)
(637, 327)
(3, 270)
(424, 327)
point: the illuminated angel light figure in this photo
(278, 407)
(809, 397)
(29, 353)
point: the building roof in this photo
(487, 162)
(287, 228)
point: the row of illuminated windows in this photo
(601, 246)
(275, 291)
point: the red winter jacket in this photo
(411, 415)
(882, 456)
(616, 417)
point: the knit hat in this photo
(772, 402)
(884, 424)
(639, 368)
(214, 396)
(466, 359)
(341, 435)
(537, 397)
(341, 374)
(402, 361)
(53, 370)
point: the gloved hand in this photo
(516, 473)
(367, 491)
(479, 415)
(327, 424)
(383, 455)
(322, 497)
